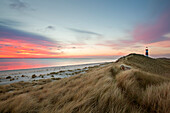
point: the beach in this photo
(33, 74)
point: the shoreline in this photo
(18, 64)
(26, 75)
(52, 67)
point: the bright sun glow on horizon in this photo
(83, 29)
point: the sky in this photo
(83, 28)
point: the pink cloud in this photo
(145, 34)
(160, 44)
(152, 32)
(23, 49)
(20, 44)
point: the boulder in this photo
(124, 67)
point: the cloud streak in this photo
(50, 27)
(18, 5)
(84, 31)
(10, 33)
(8, 22)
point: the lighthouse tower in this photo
(146, 51)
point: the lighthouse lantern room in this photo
(146, 51)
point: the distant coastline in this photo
(52, 67)
(17, 64)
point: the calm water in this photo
(14, 64)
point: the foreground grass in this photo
(105, 89)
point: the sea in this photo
(18, 64)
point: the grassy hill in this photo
(159, 66)
(142, 88)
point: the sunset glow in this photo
(83, 29)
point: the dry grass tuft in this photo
(157, 99)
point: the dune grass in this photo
(105, 89)
(157, 66)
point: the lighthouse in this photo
(146, 51)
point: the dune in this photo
(133, 84)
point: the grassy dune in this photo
(145, 88)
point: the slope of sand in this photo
(133, 84)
